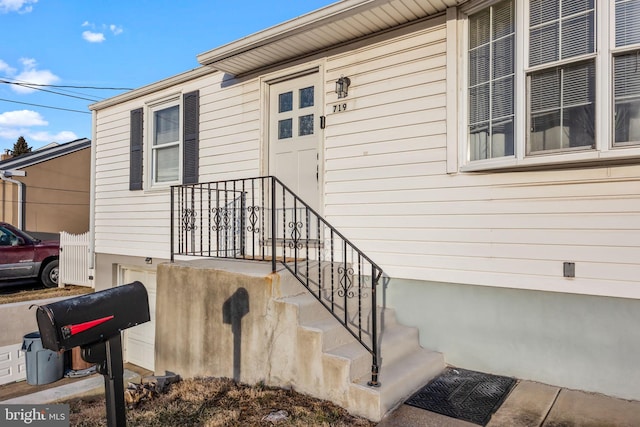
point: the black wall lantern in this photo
(342, 86)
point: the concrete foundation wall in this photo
(576, 341)
(215, 323)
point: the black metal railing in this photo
(261, 219)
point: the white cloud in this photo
(6, 68)
(31, 74)
(20, 6)
(21, 118)
(47, 137)
(11, 134)
(98, 35)
(14, 124)
(116, 30)
(92, 37)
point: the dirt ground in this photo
(35, 293)
(213, 402)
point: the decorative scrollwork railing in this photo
(261, 219)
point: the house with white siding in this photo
(485, 155)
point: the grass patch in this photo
(43, 293)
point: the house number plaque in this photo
(339, 108)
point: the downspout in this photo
(92, 202)
(5, 176)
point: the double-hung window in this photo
(165, 146)
(549, 80)
(626, 73)
(561, 85)
(491, 81)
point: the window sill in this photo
(618, 156)
(159, 188)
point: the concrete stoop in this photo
(329, 363)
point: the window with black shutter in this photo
(172, 141)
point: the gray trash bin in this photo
(43, 366)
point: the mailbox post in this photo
(94, 323)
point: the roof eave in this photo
(287, 29)
(153, 87)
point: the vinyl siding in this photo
(386, 186)
(136, 223)
(387, 189)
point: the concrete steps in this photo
(335, 366)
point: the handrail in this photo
(261, 219)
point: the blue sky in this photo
(108, 44)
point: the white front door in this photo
(295, 136)
(139, 341)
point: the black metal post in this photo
(107, 356)
(171, 226)
(273, 225)
(374, 330)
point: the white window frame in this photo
(150, 150)
(614, 51)
(604, 150)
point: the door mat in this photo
(465, 395)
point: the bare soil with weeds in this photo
(210, 402)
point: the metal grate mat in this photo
(462, 394)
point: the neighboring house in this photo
(486, 155)
(48, 190)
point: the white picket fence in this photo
(74, 259)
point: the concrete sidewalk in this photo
(533, 404)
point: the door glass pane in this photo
(305, 125)
(285, 102)
(306, 97)
(285, 128)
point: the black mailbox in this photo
(94, 322)
(92, 318)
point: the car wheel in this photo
(49, 275)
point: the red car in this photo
(25, 257)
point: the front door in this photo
(294, 135)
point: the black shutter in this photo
(190, 132)
(135, 153)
